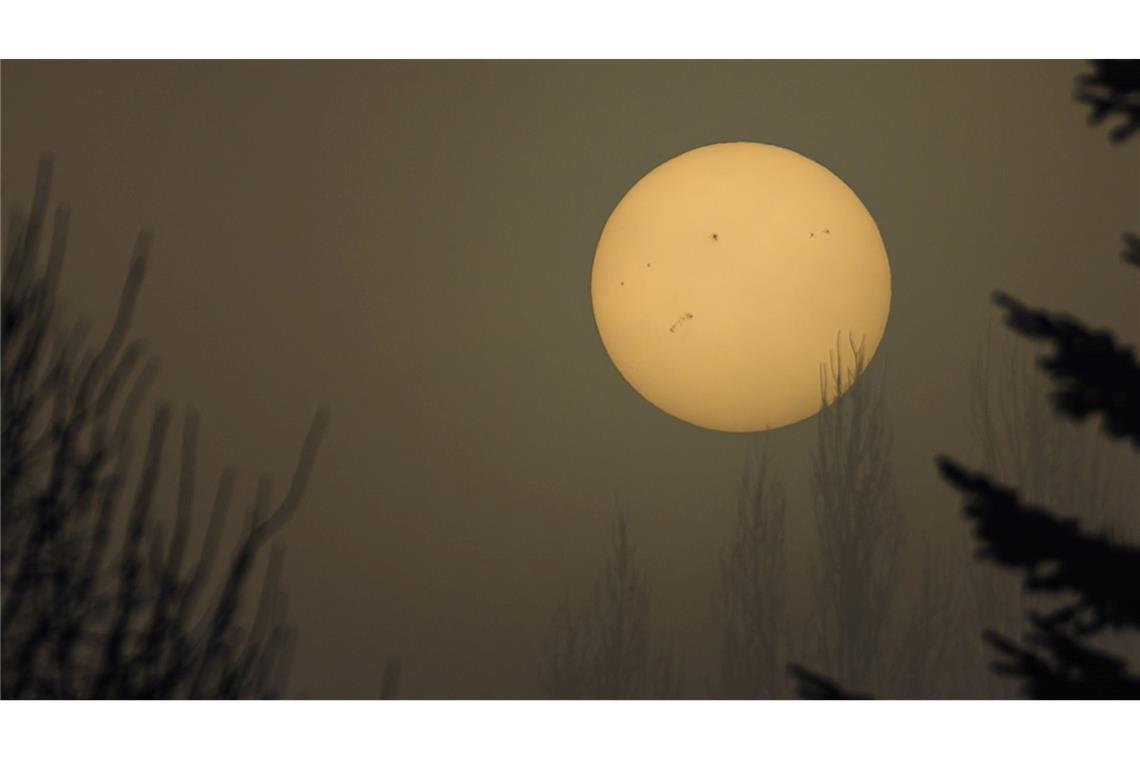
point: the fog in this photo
(409, 244)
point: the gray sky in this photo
(411, 243)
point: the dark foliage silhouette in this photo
(1092, 373)
(99, 600)
(1055, 554)
(1131, 252)
(1021, 442)
(1096, 575)
(812, 686)
(1093, 574)
(604, 650)
(1088, 580)
(1066, 669)
(1113, 90)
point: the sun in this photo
(722, 279)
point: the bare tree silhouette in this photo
(1086, 579)
(98, 600)
(1089, 578)
(1050, 461)
(753, 605)
(858, 523)
(1091, 376)
(603, 651)
(934, 657)
(1022, 442)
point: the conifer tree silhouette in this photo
(1088, 579)
(1112, 90)
(1025, 445)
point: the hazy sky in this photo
(411, 244)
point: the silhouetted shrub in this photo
(1113, 89)
(98, 600)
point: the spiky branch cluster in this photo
(98, 600)
(858, 521)
(1090, 577)
(1113, 89)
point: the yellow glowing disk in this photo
(723, 278)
